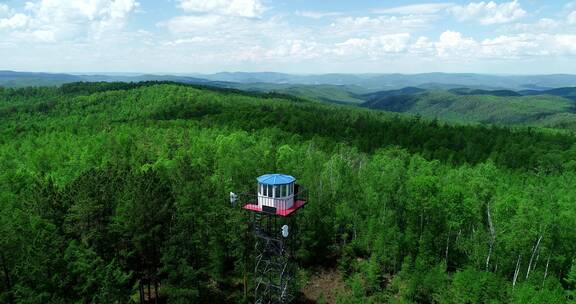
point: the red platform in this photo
(297, 205)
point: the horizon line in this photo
(189, 74)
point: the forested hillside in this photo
(104, 186)
(326, 93)
(481, 106)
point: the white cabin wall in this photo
(280, 203)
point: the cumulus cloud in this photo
(79, 10)
(423, 46)
(206, 30)
(542, 25)
(373, 47)
(509, 47)
(317, 15)
(54, 20)
(374, 26)
(227, 28)
(453, 44)
(193, 40)
(565, 44)
(295, 49)
(415, 9)
(487, 13)
(15, 22)
(237, 22)
(185, 24)
(240, 8)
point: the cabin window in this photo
(260, 189)
(269, 191)
(276, 191)
(283, 191)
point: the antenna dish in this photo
(233, 198)
(285, 231)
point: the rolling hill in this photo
(568, 92)
(542, 110)
(468, 91)
(342, 94)
(437, 97)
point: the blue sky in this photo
(295, 36)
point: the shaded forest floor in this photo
(324, 284)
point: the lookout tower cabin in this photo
(277, 194)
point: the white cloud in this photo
(489, 12)
(511, 47)
(375, 26)
(78, 10)
(317, 15)
(542, 25)
(91, 33)
(15, 22)
(35, 36)
(547, 24)
(184, 24)
(572, 18)
(565, 44)
(373, 47)
(423, 46)
(61, 20)
(229, 29)
(192, 40)
(239, 8)
(295, 49)
(251, 38)
(453, 44)
(415, 9)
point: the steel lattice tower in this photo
(273, 271)
(272, 219)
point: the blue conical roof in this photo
(276, 179)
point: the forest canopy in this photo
(104, 186)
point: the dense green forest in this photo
(104, 186)
(481, 106)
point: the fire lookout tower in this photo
(271, 216)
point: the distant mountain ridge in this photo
(370, 82)
(432, 95)
(397, 81)
(20, 79)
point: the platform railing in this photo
(280, 204)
